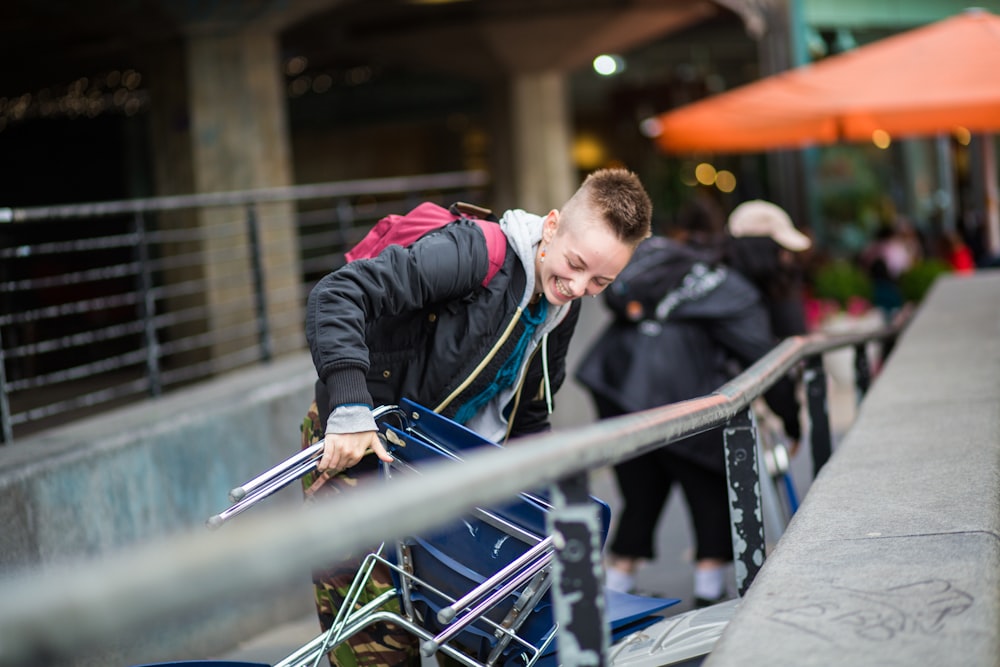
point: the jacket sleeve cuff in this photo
(351, 419)
(347, 386)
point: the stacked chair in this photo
(477, 589)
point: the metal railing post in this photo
(862, 370)
(260, 296)
(820, 439)
(584, 637)
(147, 306)
(745, 509)
(6, 428)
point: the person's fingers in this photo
(345, 450)
(353, 448)
(378, 447)
(330, 453)
(338, 452)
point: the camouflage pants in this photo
(380, 644)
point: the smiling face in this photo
(582, 256)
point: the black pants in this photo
(645, 483)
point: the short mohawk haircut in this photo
(621, 199)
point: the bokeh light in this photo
(725, 180)
(322, 83)
(588, 152)
(650, 128)
(296, 65)
(687, 175)
(705, 173)
(881, 139)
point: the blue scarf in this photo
(508, 371)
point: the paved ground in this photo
(670, 574)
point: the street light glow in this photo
(608, 65)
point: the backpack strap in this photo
(496, 247)
(496, 240)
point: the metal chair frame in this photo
(522, 583)
(531, 572)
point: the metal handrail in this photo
(350, 188)
(40, 615)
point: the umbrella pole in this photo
(992, 199)
(946, 178)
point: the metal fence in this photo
(110, 302)
(41, 616)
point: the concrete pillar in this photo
(173, 174)
(221, 102)
(544, 175)
(501, 150)
(780, 48)
(240, 140)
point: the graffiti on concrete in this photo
(920, 608)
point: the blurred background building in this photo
(109, 100)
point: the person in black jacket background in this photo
(422, 322)
(680, 319)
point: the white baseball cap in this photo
(762, 218)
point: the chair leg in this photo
(345, 587)
(530, 596)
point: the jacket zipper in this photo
(482, 364)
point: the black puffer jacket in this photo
(416, 322)
(711, 316)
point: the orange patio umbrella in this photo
(924, 81)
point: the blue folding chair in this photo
(477, 589)
(481, 585)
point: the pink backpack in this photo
(405, 229)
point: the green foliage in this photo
(840, 280)
(914, 283)
(850, 188)
(849, 185)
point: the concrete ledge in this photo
(150, 470)
(894, 556)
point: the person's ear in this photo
(550, 226)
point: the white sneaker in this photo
(619, 581)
